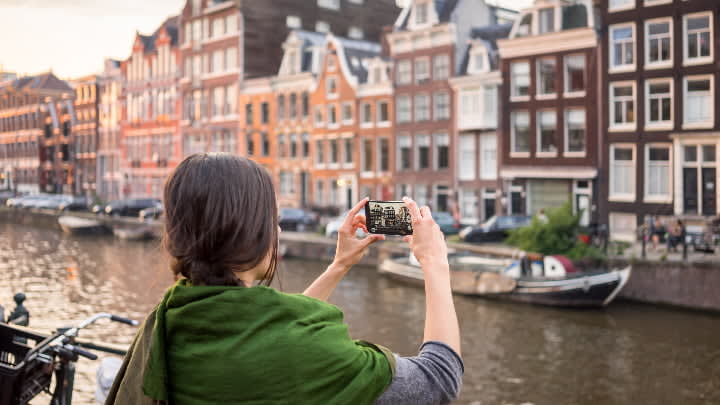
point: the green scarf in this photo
(223, 345)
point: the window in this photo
(403, 151)
(697, 38)
(622, 105)
(248, 114)
(305, 105)
(293, 145)
(231, 24)
(348, 150)
(422, 107)
(466, 157)
(547, 20)
(525, 27)
(575, 131)
(488, 157)
(520, 79)
(329, 4)
(293, 22)
(250, 144)
(442, 106)
(490, 103)
(265, 112)
(659, 103)
(281, 107)
(422, 152)
(421, 194)
(422, 70)
(621, 4)
(293, 106)
(356, 32)
(520, 136)
(319, 115)
(574, 75)
(217, 101)
(622, 47)
(305, 145)
(218, 27)
(319, 192)
(657, 173)
(658, 42)
(347, 112)
(333, 151)
(218, 64)
(476, 64)
(547, 132)
(403, 75)
(404, 109)
(441, 67)
(287, 183)
(546, 76)
(366, 113)
(384, 146)
(331, 87)
(421, 13)
(322, 26)
(319, 152)
(367, 157)
(265, 144)
(383, 114)
(442, 151)
(622, 173)
(332, 115)
(698, 101)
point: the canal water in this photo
(514, 353)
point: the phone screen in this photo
(388, 218)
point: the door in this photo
(582, 202)
(516, 203)
(708, 191)
(690, 190)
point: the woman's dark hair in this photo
(220, 218)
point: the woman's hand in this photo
(427, 241)
(350, 249)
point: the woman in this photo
(221, 336)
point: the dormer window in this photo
(547, 20)
(525, 27)
(293, 22)
(421, 13)
(322, 27)
(476, 64)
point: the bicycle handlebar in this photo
(81, 352)
(126, 321)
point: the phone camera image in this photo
(388, 218)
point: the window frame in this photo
(665, 63)
(612, 127)
(611, 54)
(435, 59)
(406, 76)
(659, 125)
(425, 79)
(513, 152)
(566, 76)
(436, 144)
(709, 123)
(646, 162)
(538, 144)
(611, 175)
(328, 94)
(538, 78)
(566, 133)
(428, 104)
(687, 61)
(398, 110)
(416, 150)
(351, 120)
(378, 109)
(366, 118)
(436, 104)
(513, 96)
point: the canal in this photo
(514, 354)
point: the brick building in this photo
(35, 134)
(659, 111)
(109, 176)
(549, 139)
(85, 135)
(427, 45)
(150, 124)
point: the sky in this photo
(73, 37)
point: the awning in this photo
(539, 172)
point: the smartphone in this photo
(388, 218)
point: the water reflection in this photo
(514, 354)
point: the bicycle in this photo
(26, 371)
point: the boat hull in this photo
(80, 226)
(583, 290)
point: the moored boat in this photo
(135, 233)
(551, 281)
(77, 225)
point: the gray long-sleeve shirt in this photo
(433, 377)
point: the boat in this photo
(135, 233)
(552, 280)
(77, 225)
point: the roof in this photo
(171, 27)
(443, 8)
(488, 35)
(45, 81)
(357, 53)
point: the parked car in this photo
(75, 204)
(296, 219)
(151, 213)
(332, 228)
(52, 202)
(128, 208)
(29, 201)
(448, 224)
(494, 229)
(6, 195)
